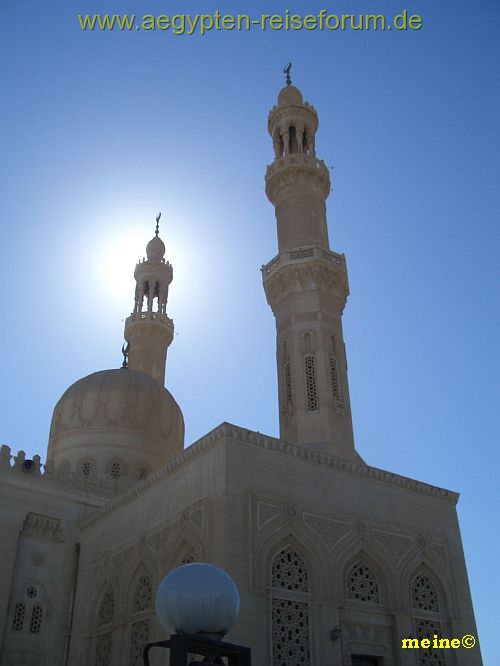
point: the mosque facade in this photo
(336, 560)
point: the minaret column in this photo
(148, 330)
(306, 286)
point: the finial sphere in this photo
(198, 598)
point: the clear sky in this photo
(101, 130)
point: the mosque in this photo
(336, 561)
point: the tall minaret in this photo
(306, 286)
(148, 330)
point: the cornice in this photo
(237, 434)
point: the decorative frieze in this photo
(330, 531)
(394, 544)
(44, 527)
(266, 513)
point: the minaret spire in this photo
(148, 330)
(286, 70)
(306, 286)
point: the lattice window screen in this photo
(103, 650)
(334, 377)
(106, 609)
(290, 610)
(311, 392)
(139, 635)
(36, 620)
(87, 468)
(427, 629)
(290, 634)
(18, 617)
(289, 571)
(362, 584)
(287, 385)
(115, 470)
(423, 594)
(143, 594)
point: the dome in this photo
(123, 413)
(155, 249)
(289, 96)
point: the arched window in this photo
(103, 651)
(290, 609)
(188, 558)
(87, 468)
(423, 594)
(143, 594)
(425, 602)
(139, 636)
(28, 612)
(36, 619)
(105, 617)
(362, 584)
(18, 617)
(106, 609)
(311, 391)
(116, 468)
(140, 620)
(335, 380)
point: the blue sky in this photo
(101, 130)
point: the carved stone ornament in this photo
(439, 550)
(266, 513)
(396, 545)
(197, 517)
(312, 275)
(330, 531)
(37, 525)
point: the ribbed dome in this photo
(290, 96)
(118, 409)
(155, 249)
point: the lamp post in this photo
(198, 603)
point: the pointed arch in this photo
(30, 608)
(182, 541)
(185, 553)
(143, 558)
(426, 599)
(142, 593)
(362, 584)
(423, 593)
(294, 535)
(106, 607)
(438, 577)
(360, 553)
(140, 612)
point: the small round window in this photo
(31, 592)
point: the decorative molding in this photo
(44, 527)
(266, 513)
(316, 273)
(365, 633)
(228, 431)
(439, 550)
(396, 545)
(330, 531)
(197, 517)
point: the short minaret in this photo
(148, 330)
(306, 286)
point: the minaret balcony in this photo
(294, 172)
(297, 160)
(303, 255)
(157, 317)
